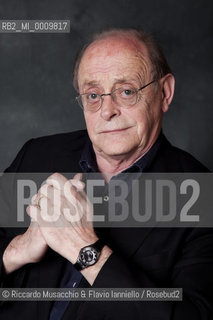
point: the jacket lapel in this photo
(49, 275)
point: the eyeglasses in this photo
(124, 97)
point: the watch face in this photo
(89, 256)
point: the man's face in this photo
(115, 131)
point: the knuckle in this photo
(44, 189)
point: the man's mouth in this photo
(115, 130)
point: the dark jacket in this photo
(142, 257)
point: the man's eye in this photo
(92, 96)
(127, 92)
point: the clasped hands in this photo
(62, 213)
(62, 219)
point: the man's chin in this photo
(115, 151)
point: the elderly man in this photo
(125, 85)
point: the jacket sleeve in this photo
(192, 271)
(6, 194)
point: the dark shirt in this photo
(88, 160)
(72, 277)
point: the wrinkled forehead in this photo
(117, 54)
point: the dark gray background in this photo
(36, 93)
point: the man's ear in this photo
(168, 88)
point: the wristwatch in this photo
(89, 255)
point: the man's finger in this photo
(34, 199)
(78, 176)
(33, 212)
(77, 181)
(78, 184)
(57, 180)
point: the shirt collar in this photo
(88, 158)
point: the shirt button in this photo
(106, 198)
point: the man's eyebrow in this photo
(116, 81)
(120, 81)
(90, 83)
(135, 81)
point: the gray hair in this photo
(159, 63)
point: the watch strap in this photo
(98, 245)
(79, 265)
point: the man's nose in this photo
(109, 108)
